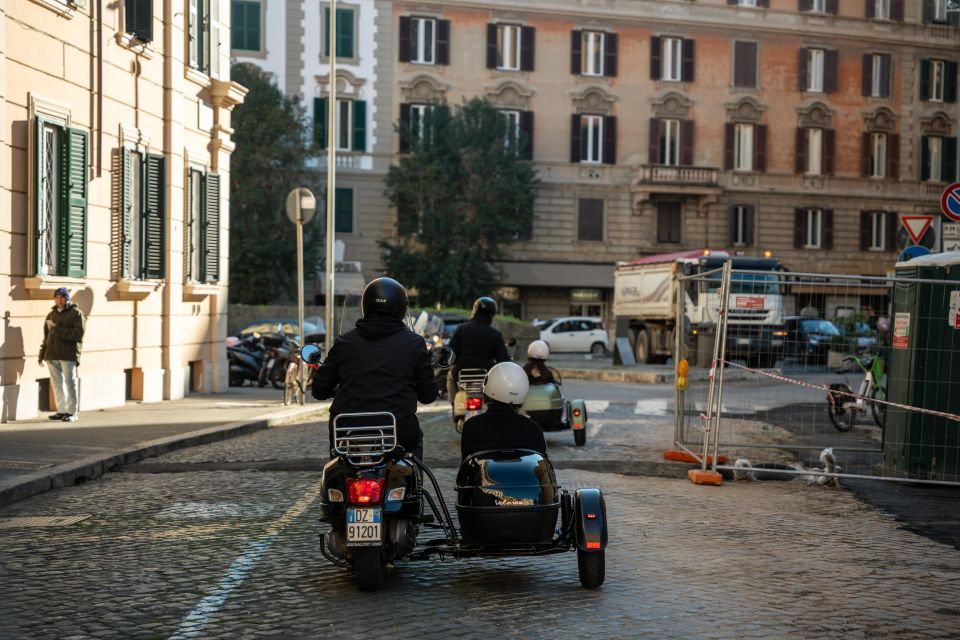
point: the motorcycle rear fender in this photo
(578, 422)
(590, 531)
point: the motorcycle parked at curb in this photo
(279, 350)
(245, 359)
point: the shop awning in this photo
(556, 274)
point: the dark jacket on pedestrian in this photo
(537, 371)
(478, 345)
(501, 427)
(65, 340)
(379, 366)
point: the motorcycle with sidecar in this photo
(546, 406)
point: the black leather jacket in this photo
(478, 345)
(501, 427)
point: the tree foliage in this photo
(463, 192)
(272, 147)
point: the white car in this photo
(575, 333)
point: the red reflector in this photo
(593, 545)
(364, 490)
(474, 404)
(591, 516)
(576, 413)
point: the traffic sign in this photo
(913, 252)
(950, 202)
(951, 236)
(916, 226)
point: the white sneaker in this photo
(69, 418)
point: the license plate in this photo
(363, 527)
(743, 340)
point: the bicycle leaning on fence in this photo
(844, 408)
(292, 391)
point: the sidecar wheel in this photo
(580, 437)
(367, 569)
(458, 424)
(592, 568)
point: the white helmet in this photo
(538, 349)
(506, 382)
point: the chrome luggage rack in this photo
(363, 439)
(471, 380)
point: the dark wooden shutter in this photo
(800, 151)
(203, 51)
(732, 1)
(443, 42)
(924, 79)
(73, 238)
(404, 128)
(154, 212)
(590, 220)
(126, 213)
(343, 210)
(609, 140)
(138, 18)
(866, 154)
(829, 150)
(491, 46)
(765, 4)
(687, 60)
(655, 72)
(893, 225)
(320, 122)
(526, 133)
(896, 10)
(949, 160)
(827, 229)
(806, 5)
(928, 11)
(345, 44)
(210, 229)
(576, 52)
(406, 32)
(924, 158)
(865, 220)
(610, 46)
(885, 74)
(832, 6)
(733, 219)
(950, 82)
(799, 227)
(750, 225)
(867, 71)
(871, 11)
(528, 37)
(893, 156)
(729, 131)
(686, 143)
(359, 125)
(745, 64)
(830, 65)
(760, 147)
(653, 147)
(575, 151)
(803, 60)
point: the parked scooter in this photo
(469, 399)
(245, 357)
(279, 352)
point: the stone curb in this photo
(96, 465)
(651, 377)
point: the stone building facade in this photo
(114, 183)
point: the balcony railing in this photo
(659, 174)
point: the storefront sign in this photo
(585, 295)
(953, 318)
(901, 330)
(507, 293)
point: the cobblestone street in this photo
(232, 553)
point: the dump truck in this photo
(645, 306)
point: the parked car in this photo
(286, 326)
(574, 333)
(858, 337)
(809, 338)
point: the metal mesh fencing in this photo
(800, 363)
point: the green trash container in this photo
(924, 370)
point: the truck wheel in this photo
(643, 346)
(367, 568)
(580, 437)
(592, 568)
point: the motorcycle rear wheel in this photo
(367, 568)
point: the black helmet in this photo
(384, 297)
(485, 307)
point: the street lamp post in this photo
(331, 170)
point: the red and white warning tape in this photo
(825, 387)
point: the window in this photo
(351, 124)
(876, 75)
(669, 218)
(815, 151)
(142, 204)
(743, 148)
(345, 33)
(878, 155)
(818, 70)
(343, 207)
(590, 220)
(878, 231)
(815, 70)
(939, 10)
(813, 229)
(138, 19)
(741, 225)
(814, 144)
(881, 9)
(203, 21)
(671, 59)
(245, 25)
(745, 64)
(747, 3)
(593, 139)
(669, 142)
(818, 5)
(203, 238)
(938, 80)
(592, 53)
(591, 136)
(938, 159)
(885, 9)
(510, 47)
(60, 198)
(424, 40)
(812, 238)
(937, 77)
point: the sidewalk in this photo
(38, 455)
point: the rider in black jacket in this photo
(379, 366)
(500, 426)
(476, 344)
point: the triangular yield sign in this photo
(916, 226)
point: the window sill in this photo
(197, 76)
(139, 47)
(200, 290)
(42, 287)
(259, 54)
(60, 8)
(136, 289)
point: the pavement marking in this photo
(597, 406)
(192, 625)
(33, 522)
(215, 510)
(651, 407)
(593, 429)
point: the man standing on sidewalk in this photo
(62, 341)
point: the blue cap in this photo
(62, 291)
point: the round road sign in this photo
(950, 202)
(301, 205)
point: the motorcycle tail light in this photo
(474, 404)
(364, 490)
(576, 413)
(591, 516)
(593, 545)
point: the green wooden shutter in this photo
(359, 125)
(343, 208)
(949, 160)
(126, 213)
(320, 122)
(73, 228)
(37, 187)
(924, 79)
(950, 82)
(210, 229)
(344, 33)
(154, 251)
(203, 42)
(928, 11)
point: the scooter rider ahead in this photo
(476, 344)
(379, 366)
